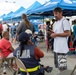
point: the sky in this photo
(12, 5)
(7, 6)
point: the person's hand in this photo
(53, 35)
(50, 32)
(31, 43)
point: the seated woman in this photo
(29, 54)
(6, 46)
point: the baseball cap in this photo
(28, 31)
(23, 36)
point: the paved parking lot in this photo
(48, 60)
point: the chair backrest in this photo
(21, 65)
(1, 54)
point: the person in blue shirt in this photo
(13, 32)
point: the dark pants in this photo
(74, 44)
(1, 35)
(38, 72)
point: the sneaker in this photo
(48, 69)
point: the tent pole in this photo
(43, 23)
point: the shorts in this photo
(60, 61)
(10, 55)
(12, 35)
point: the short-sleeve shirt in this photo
(5, 45)
(60, 43)
(13, 29)
(5, 27)
(22, 27)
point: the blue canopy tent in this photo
(70, 4)
(18, 11)
(66, 6)
(3, 16)
(54, 0)
(7, 16)
(32, 7)
(69, 7)
(36, 23)
(45, 7)
(35, 5)
(10, 16)
(10, 13)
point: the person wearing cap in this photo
(29, 54)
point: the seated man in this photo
(40, 35)
(6, 46)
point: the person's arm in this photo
(19, 29)
(50, 32)
(30, 42)
(8, 46)
(38, 53)
(66, 29)
(11, 48)
(65, 34)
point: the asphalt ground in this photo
(48, 60)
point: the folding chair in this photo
(4, 63)
(68, 72)
(21, 65)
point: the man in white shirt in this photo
(60, 34)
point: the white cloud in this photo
(6, 7)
